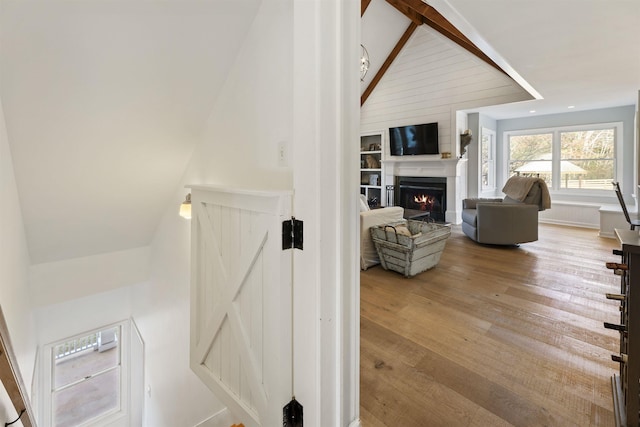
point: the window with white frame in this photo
(575, 158)
(87, 377)
(487, 160)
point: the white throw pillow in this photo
(364, 206)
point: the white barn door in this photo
(241, 301)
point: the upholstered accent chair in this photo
(508, 221)
(370, 218)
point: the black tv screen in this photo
(414, 139)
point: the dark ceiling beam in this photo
(421, 13)
(431, 17)
(387, 63)
(407, 11)
(364, 4)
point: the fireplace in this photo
(449, 174)
(422, 196)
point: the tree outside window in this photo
(593, 152)
(531, 155)
(567, 158)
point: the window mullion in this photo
(556, 159)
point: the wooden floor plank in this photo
(493, 336)
(392, 369)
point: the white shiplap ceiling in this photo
(584, 53)
(104, 101)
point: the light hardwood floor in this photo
(493, 336)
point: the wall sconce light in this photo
(185, 207)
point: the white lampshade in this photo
(185, 207)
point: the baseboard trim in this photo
(569, 223)
(221, 418)
(606, 235)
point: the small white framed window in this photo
(86, 377)
(487, 161)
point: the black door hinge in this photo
(292, 414)
(292, 231)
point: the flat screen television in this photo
(414, 139)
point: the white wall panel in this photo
(430, 80)
(56, 282)
(15, 297)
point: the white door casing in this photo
(136, 367)
(241, 312)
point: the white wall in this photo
(56, 282)
(161, 311)
(15, 299)
(239, 148)
(73, 317)
(253, 113)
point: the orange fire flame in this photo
(425, 201)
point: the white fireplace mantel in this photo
(422, 167)
(455, 170)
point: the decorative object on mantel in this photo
(364, 62)
(445, 155)
(465, 139)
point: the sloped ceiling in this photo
(432, 78)
(582, 53)
(381, 27)
(104, 102)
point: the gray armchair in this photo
(507, 221)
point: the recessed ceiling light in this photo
(532, 111)
(571, 106)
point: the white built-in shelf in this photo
(371, 146)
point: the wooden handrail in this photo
(11, 378)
